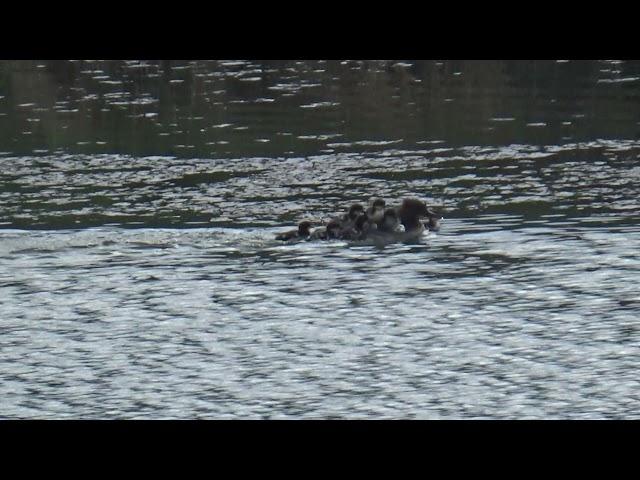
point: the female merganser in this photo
(410, 212)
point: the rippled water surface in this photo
(140, 278)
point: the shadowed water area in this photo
(140, 278)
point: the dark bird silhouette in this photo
(301, 232)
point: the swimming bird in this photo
(390, 230)
(332, 230)
(364, 226)
(354, 212)
(376, 211)
(348, 221)
(402, 224)
(353, 231)
(410, 213)
(389, 222)
(301, 232)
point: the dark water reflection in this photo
(139, 277)
(225, 109)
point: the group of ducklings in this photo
(376, 221)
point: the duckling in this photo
(348, 221)
(332, 230)
(364, 226)
(376, 211)
(351, 232)
(389, 222)
(354, 212)
(301, 232)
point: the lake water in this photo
(140, 278)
